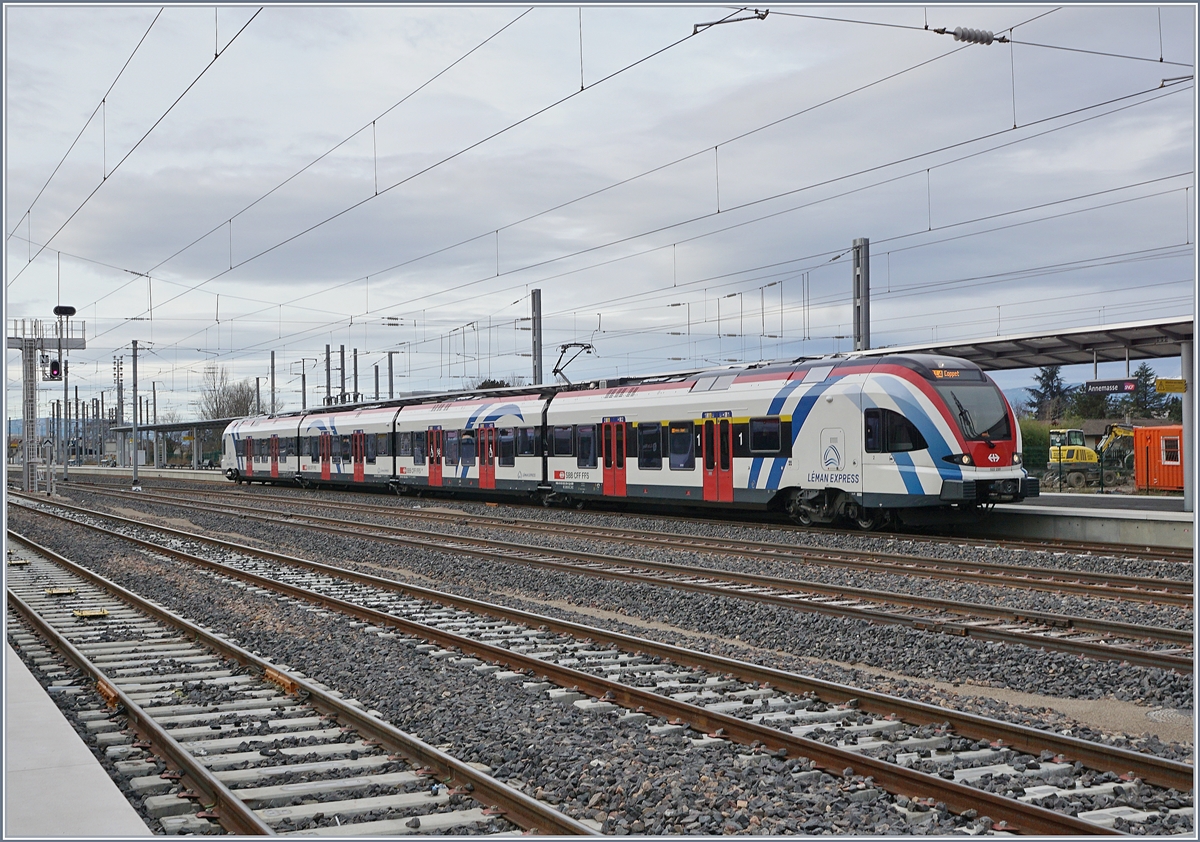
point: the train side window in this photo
(508, 447)
(239, 447)
(681, 441)
(451, 445)
(562, 441)
(370, 443)
(873, 431)
(764, 435)
(404, 443)
(418, 447)
(586, 451)
(526, 441)
(344, 451)
(466, 448)
(649, 437)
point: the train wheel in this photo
(869, 519)
(797, 511)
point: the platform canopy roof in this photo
(177, 426)
(1150, 339)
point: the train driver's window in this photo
(418, 447)
(902, 434)
(873, 435)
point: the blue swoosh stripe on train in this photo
(507, 409)
(774, 409)
(908, 473)
(799, 416)
(476, 414)
(929, 431)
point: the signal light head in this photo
(55, 369)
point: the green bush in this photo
(1035, 445)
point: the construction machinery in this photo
(1074, 463)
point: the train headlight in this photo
(1016, 458)
(958, 458)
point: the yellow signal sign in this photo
(1164, 385)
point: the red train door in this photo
(274, 456)
(434, 437)
(486, 444)
(326, 448)
(717, 446)
(612, 445)
(249, 457)
(358, 450)
(725, 461)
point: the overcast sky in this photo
(725, 172)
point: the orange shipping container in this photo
(1158, 457)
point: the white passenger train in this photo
(849, 436)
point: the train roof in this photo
(923, 364)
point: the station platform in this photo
(53, 785)
(203, 475)
(1135, 520)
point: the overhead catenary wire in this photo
(625, 181)
(444, 160)
(117, 166)
(87, 122)
(355, 318)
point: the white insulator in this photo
(973, 36)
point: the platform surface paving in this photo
(53, 785)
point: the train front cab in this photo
(938, 431)
(261, 449)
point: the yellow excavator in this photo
(1077, 465)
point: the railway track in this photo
(230, 726)
(840, 728)
(781, 523)
(1162, 648)
(1162, 591)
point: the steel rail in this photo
(518, 807)
(900, 780)
(1054, 580)
(231, 811)
(1163, 772)
(1150, 552)
(786, 595)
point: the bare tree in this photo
(220, 398)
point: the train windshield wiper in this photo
(964, 418)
